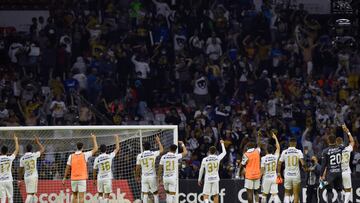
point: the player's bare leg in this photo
(75, 197)
(145, 197)
(156, 197)
(170, 197)
(287, 196)
(256, 194)
(101, 197)
(206, 198)
(250, 195)
(216, 198)
(347, 195)
(296, 191)
(30, 198)
(106, 197)
(81, 197)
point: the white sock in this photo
(145, 199)
(286, 199)
(206, 201)
(169, 198)
(10, 200)
(101, 200)
(347, 197)
(156, 198)
(3, 199)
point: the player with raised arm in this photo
(103, 171)
(28, 170)
(268, 171)
(345, 162)
(76, 167)
(6, 178)
(251, 163)
(211, 165)
(169, 163)
(292, 179)
(145, 162)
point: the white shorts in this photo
(149, 184)
(104, 186)
(31, 185)
(211, 188)
(346, 180)
(6, 189)
(252, 184)
(290, 182)
(170, 184)
(78, 185)
(269, 186)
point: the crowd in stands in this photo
(219, 69)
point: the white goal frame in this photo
(174, 128)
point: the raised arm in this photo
(95, 145)
(184, 150)
(161, 148)
(304, 135)
(117, 144)
(223, 150)
(277, 144)
(347, 131)
(16, 140)
(41, 147)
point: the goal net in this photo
(60, 142)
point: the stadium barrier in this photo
(233, 191)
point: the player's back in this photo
(332, 157)
(147, 161)
(170, 162)
(211, 164)
(345, 159)
(29, 162)
(291, 156)
(269, 163)
(104, 165)
(5, 167)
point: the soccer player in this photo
(76, 166)
(292, 182)
(146, 162)
(211, 166)
(169, 164)
(251, 162)
(6, 178)
(28, 170)
(345, 162)
(104, 176)
(331, 167)
(268, 171)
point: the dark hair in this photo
(29, 148)
(293, 140)
(332, 139)
(250, 145)
(4, 150)
(173, 148)
(79, 145)
(102, 148)
(212, 150)
(146, 145)
(270, 149)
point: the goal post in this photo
(60, 142)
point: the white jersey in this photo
(345, 160)
(147, 162)
(104, 165)
(29, 163)
(170, 163)
(269, 163)
(5, 167)
(211, 166)
(291, 157)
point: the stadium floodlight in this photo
(60, 142)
